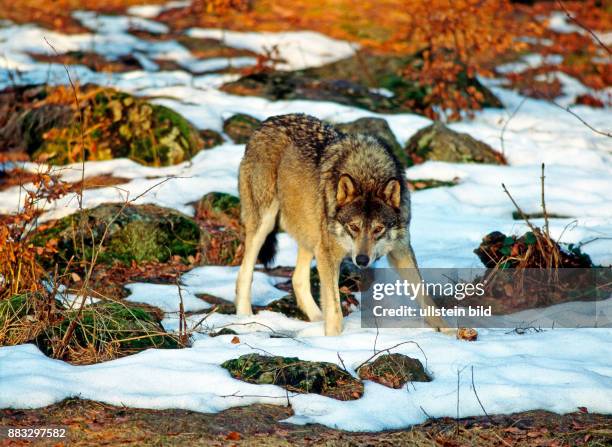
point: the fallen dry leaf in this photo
(467, 334)
(233, 435)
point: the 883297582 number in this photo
(33, 432)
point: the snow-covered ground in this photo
(558, 369)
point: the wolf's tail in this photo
(268, 249)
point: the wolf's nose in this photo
(362, 260)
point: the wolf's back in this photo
(309, 135)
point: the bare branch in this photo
(476, 394)
(579, 118)
(546, 227)
(584, 27)
(518, 208)
(388, 350)
(503, 131)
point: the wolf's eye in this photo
(353, 228)
(378, 230)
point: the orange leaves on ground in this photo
(233, 436)
(219, 7)
(456, 37)
(56, 14)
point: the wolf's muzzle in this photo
(362, 260)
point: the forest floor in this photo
(536, 370)
(93, 423)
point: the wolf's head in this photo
(369, 218)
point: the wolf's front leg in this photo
(329, 274)
(404, 262)
(301, 285)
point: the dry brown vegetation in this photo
(92, 423)
(454, 40)
(56, 14)
(81, 327)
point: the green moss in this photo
(220, 202)
(138, 241)
(239, 127)
(103, 330)
(210, 138)
(133, 233)
(394, 370)
(439, 142)
(128, 327)
(296, 375)
(12, 307)
(115, 124)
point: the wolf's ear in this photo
(347, 190)
(392, 193)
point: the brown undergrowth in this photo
(60, 310)
(93, 423)
(535, 270)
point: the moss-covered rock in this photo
(108, 124)
(133, 233)
(291, 85)
(296, 375)
(379, 128)
(219, 215)
(287, 306)
(217, 205)
(357, 81)
(394, 370)
(438, 142)
(210, 138)
(100, 331)
(103, 331)
(239, 127)
(224, 331)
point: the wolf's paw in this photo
(333, 328)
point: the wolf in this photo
(337, 195)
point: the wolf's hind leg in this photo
(301, 285)
(256, 233)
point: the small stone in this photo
(394, 370)
(438, 142)
(239, 127)
(224, 331)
